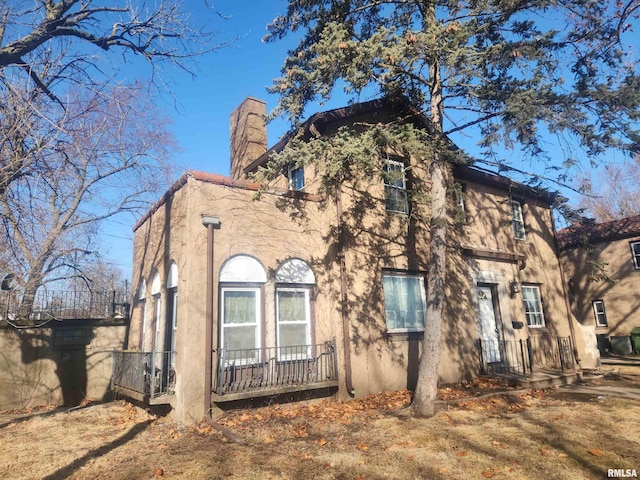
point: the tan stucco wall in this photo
(621, 299)
(32, 370)
(276, 228)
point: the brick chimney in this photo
(248, 134)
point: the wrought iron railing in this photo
(148, 373)
(250, 370)
(44, 305)
(499, 356)
(523, 356)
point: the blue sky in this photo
(203, 104)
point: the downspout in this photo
(565, 293)
(210, 222)
(343, 298)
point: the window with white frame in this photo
(241, 309)
(172, 310)
(296, 178)
(295, 281)
(294, 322)
(635, 254)
(240, 333)
(404, 302)
(600, 313)
(533, 305)
(395, 186)
(517, 221)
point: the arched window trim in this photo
(295, 271)
(172, 276)
(242, 269)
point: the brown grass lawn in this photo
(514, 435)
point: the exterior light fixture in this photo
(514, 287)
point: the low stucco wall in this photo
(36, 370)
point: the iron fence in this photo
(500, 356)
(148, 373)
(44, 305)
(273, 367)
(522, 356)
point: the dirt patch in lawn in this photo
(489, 431)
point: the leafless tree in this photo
(100, 154)
(613, 192)
(77, 145)
(75, 37)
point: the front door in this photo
(489, 330)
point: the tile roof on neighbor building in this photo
(598, 232)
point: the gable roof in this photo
(599, 232)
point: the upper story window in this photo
(635, 253)
(395, 186)
(599, 313)
(533, 305)
(296, 178)
(404, 302)
(517, 220)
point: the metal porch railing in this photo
(147, 373)
(275, 368)
(45, 304)
(522, 356)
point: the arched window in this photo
(156, 290)
(295, 281)
(241, 278)
(142, 303)
(172, 310)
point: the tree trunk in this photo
(427, 386)
(424, 400)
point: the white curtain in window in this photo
(404, 301)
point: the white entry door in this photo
(489, 331)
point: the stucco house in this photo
(245, 291)
(602, 264)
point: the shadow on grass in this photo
(66, 472)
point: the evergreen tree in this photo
(508, 72)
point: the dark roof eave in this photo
(319, 120)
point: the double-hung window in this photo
(404, 302)
(517, 221)
(294, 320)
(599, 313)
(533, 306)
(635, 254)
(395, 186)
(240, 335)
(296, 178)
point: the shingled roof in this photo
(599, 232)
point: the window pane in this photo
(517, 220)
(395, 186)
(293, 334)
(635, 250)
(239, 307)
(533, 306)
(291, 306)
(404, 302)
(240, 337)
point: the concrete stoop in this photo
(542, 378)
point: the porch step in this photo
(542, 378)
